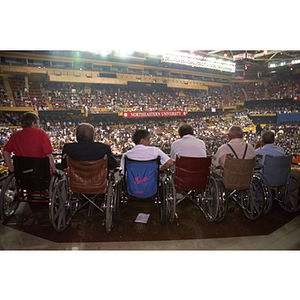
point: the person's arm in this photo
(167, 165)
(52, 163)
(7, 159)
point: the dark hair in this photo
(28, 118)
(268, 137)
(185, 129)
(140, 134)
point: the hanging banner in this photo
(153, 114)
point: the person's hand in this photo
(259, 144)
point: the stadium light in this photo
(194, 60)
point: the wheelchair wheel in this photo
(9, 201)
(171, 196)
(254, 202)
(289, 196)
(109, 210)
(211, 201)
(59, 207)
(54, 180)
(162, 204)
(223, 202)
(267, 192)
(117, 201)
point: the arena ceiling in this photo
(258, 60)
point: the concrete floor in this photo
(155, 271)
(285, 238)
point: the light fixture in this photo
(198, 61)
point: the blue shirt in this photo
(270, 149)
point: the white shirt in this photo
(142, 152)
(239, 147)
(188, 146)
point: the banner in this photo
(153, 114)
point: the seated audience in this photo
(266, 146)
(31, 141)
(236, 146)
(187, 145)
(143, 151)
(86, 149)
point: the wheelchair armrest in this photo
(116, 174)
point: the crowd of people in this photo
(111, 98)
(164, 132)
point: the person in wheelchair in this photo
(188, 145)
(143, 151)
(86, 149)
(31, 141)
(236, 146)
(266, 146)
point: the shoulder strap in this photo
(233, 151)
(245, 150)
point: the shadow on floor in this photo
(190, 224)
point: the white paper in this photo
(142, 218)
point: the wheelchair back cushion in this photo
(87, 177)
(142, 178)
(276, 169)
(192, 173)
(238, 173)
(32, 173)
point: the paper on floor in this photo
(142, 218)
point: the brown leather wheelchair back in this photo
(192, 173)
(87, 177)
(238, 173)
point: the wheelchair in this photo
(192, 178)
(30, 182)
(83, 183)
(280, 182)
(242, 187)
(142, 179)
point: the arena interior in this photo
(118, 92)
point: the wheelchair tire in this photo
(162, 204)
(223, 202)
(117, 201)
(9, 201)
(58, 207)
(171, 195)
(109, 209)
(254, 203)
(54, 180)
(267, 192)
(211, 201)
(289, 196)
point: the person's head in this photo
(235, 132)
(85, 132)
(141, 136)
(30, 119)
(185, 129)
(268, 137)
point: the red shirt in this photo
(29, 142)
